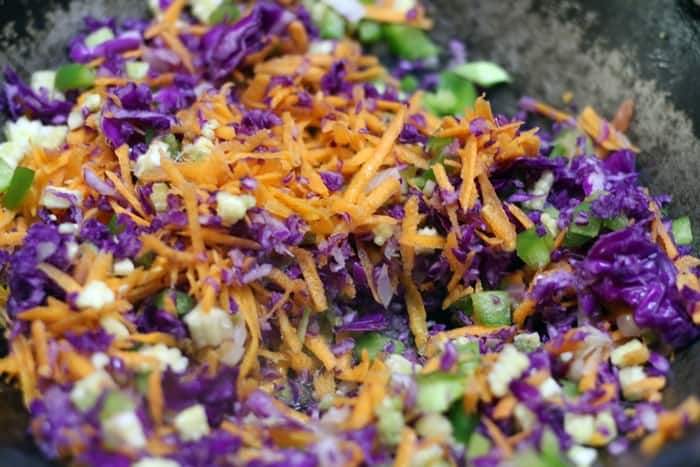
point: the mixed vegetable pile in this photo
(231, 236)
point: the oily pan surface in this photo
(602, 51)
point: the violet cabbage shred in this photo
(245, 241)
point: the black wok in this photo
(602, 50)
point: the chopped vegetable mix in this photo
(232, 235)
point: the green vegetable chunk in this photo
(409, 83)
(570, 388)
(19, 186)
(369, 32)
(437, 391)
(479, 445)
(226, 12)
(115, 403)
(436, 148)
(375, 343)
(682, 231)
(332, 25)
(579, 234)
(491, 308)
(453, 96)
(183, 302)
(484, 74)
(74, 76)
(409, 42)
(534, 250)
(616, 223)
(463, 424)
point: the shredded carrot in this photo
(370, 167)
(498, 437)
(289, 334)
(313, 281)
(63, 280)
(494, 215)
(467, 194)
(155, 396)
(404, 453)
(525, 309)
(416, 311)
(39, 340)
(504, 408)
(320, 349)
(525, 221)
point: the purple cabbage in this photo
(29, 287)
(124, 244)
(225, 47)
(333, 180)
(17, 100)
(216, 393)
(128, 123)
(81, 53)
(256, 120)
(333, 82)
(90, 341)
(626, 267)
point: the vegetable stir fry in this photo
(232, 236)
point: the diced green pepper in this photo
(6, 172)
(580, 234)
(74, 76)
(226, 12)
(409, 83)
(491, 308)
(551, 453)
(570, 388)
(183, 302)
(463, 424)
(115, 402)
(482, 73)
(19, 186)
(535, 251)
(437, 391)
(332, 25)
(470, 348)
(436, 148)
(682, 231)
(453, 96)
(616, 223)
(369, 32)
(479, 445)
(374, 343)
(409, 42)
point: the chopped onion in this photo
(382, 176)
(97, 184)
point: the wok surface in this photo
(602, 50)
